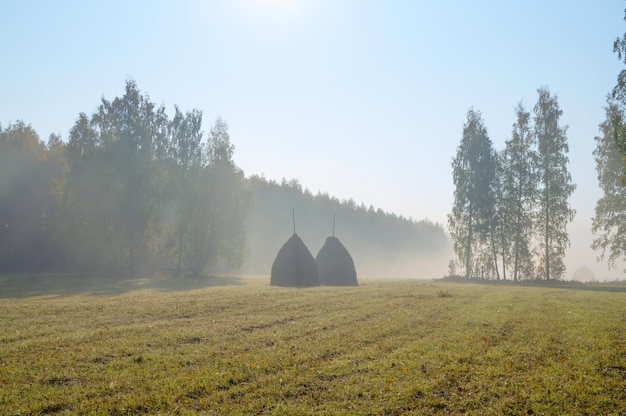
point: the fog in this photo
(90, 235)
(371, 258)
(362, 100)
(581, 255)
(381, 244)
(423, 254)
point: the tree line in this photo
(609, 221)
(135, 191)
(511, 207)
(132, 191)
(382, 244)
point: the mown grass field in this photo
(243, 347)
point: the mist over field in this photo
(313, 207)
(381, 244)
(363, 104)
(116, 202)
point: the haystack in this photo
(584, 274)
(335, 264)
(294, 265)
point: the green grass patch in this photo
(384, 348)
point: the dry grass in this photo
(384, 348)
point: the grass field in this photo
(239, 346)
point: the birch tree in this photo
(520, 192)
(556, 185)
(609, 222)
(471, 219)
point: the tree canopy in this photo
(609, 221)
(132, 191)
(473, 172)
(619, 96)
(513, 204)
(135, 191)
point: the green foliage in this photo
(499, 207)
(554, 209)
(619, 95)
(135, 192)
(29, 173)
(386, 347)
(520, 193)
(189, 191)
(131, 192)
(609, 222)
(471, 221)
(112, 196)
(220, 149)
(229, 201)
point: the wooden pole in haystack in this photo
(293, 217)
(294, 265)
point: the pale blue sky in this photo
(360, 99)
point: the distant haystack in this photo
(335, 264)
(583, 274)
(294, 265)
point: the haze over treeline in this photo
(511, 207)
(131, 191)
(382, 244)
(135, 191)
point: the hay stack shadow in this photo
(294, 265)
(336, 267)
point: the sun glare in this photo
(276, 4)
(274, 12)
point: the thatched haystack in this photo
(335, 264)
(584, 274)
(294, 265)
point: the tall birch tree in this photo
(619, 96)
(609, 222)
(471, 219)
(520, 192)
(556, 185)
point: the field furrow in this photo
(386, 347)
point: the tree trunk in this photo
(502, 236)
(518, 233)
(517, 238)
(493, 247)
(468, 250)
(179, 263)
(547, 242)
(547, 236)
